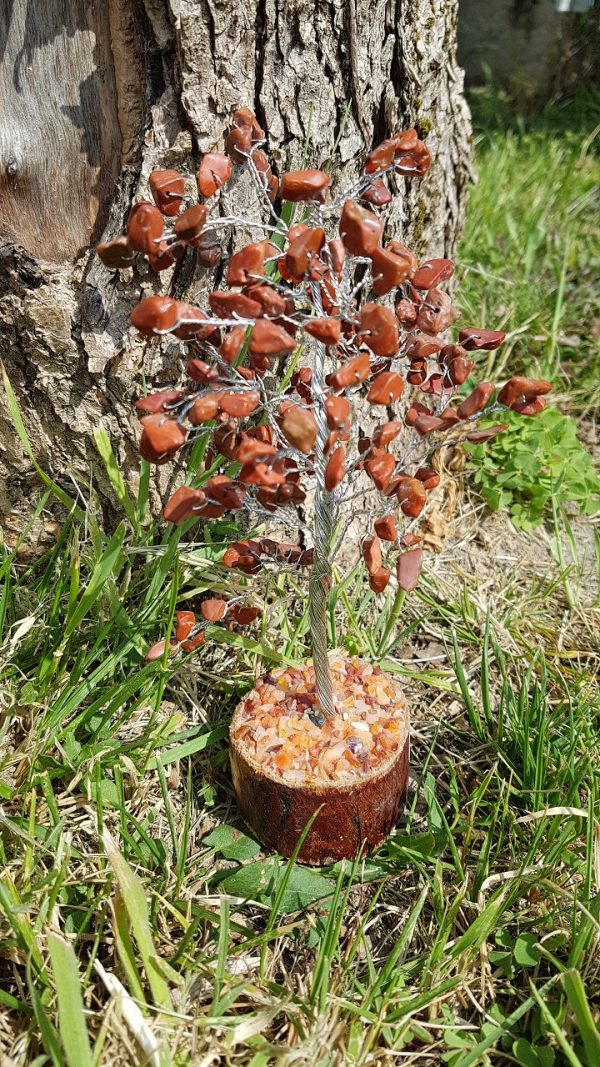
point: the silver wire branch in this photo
(324, 524)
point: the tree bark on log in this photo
(95, 96)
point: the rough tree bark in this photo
(94, 96)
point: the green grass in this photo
(530, 251)
(140, 924)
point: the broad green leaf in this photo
(259, 881)
(526, 952)
(232, 844)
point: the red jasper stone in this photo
(156, 315)
(371, 553)
(432, 272)
(208, 250)
(224, 491)
(529, 407)
(360, 229)
(268, 179)
(380, 579)
(405, 141)
(385, 433)
(519, 389)
(337, 255)
(405, 253)
(381, 157)
(239, 404)
(232, 344)
(247, 263)
(386, 528)
(150, 454)
(428, 476)
(389, 270)
(381, 471)
(214, 171)
(164, 434)
(250, 449)
(336, 468)
(414, 162)
(299, 427)
(450, 416)
(426, 424)
(353, 372)
(478, 436)
(334, 437)
(244, 132)
(304, 185)
(210, 510)
(213, 610)
(337, 412)
(168, 189)
(244, 615)
(422, 346)
(116, 254)
(406, 313)
(300, 381)
(158, 402)
(377, 193)
(190, 223)
(272, 303)
(269, 339)
(193, 643)
(204, 409)
(386, 388)
(408, 569)
(183, 505)
(476, 401)
(436, 313)
(473, 339)
(288, 493)
(414, 412)
(144, 227)
(326, 330)
(411, 496)
(184, 624)
(261, 433)
(379, 328)
(238, 144)
(226, 439)
(262, 473)
(201, 372)
(302, 250)
(228, 305)
(241, 558)
(164, 256)
(244, 118)
(157, 651)
(459, 368)
(192, 324)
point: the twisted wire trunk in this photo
(324, 524)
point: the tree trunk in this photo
(94, 96)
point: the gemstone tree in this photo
(316, 311)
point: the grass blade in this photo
(71, 1020)
(135, 901)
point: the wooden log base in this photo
(354, 768)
